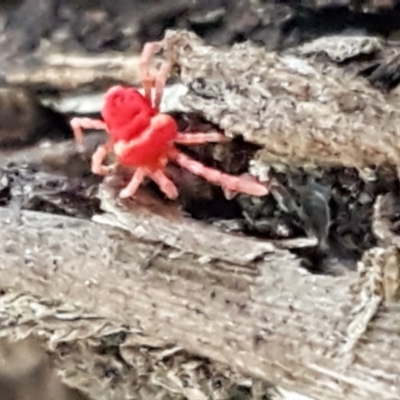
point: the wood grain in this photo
(239, 301)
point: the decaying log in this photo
(143, 269)
(106, 360)
(300, 111)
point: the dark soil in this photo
(25, 187)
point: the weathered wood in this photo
(238, 301)
(300, 111)
(74, 72)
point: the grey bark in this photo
(301, 111)
(239, 301)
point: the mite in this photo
(144, 139)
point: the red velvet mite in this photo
(143, 139)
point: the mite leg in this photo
(242, 184)
(165, 184)
(160, 83)
(200, 138)
(149, 81)
(149, 50)
(98, 158)
(132, 187)
(77, 124)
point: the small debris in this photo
(26, 188)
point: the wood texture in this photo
(239, 301)
(302, 111)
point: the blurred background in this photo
(122, 25)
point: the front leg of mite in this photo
(98, 159)
(77, 124)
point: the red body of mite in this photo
(126, 112)
(144, 139)
(130, 117)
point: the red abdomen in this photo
(131, 130)
(150, 148)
